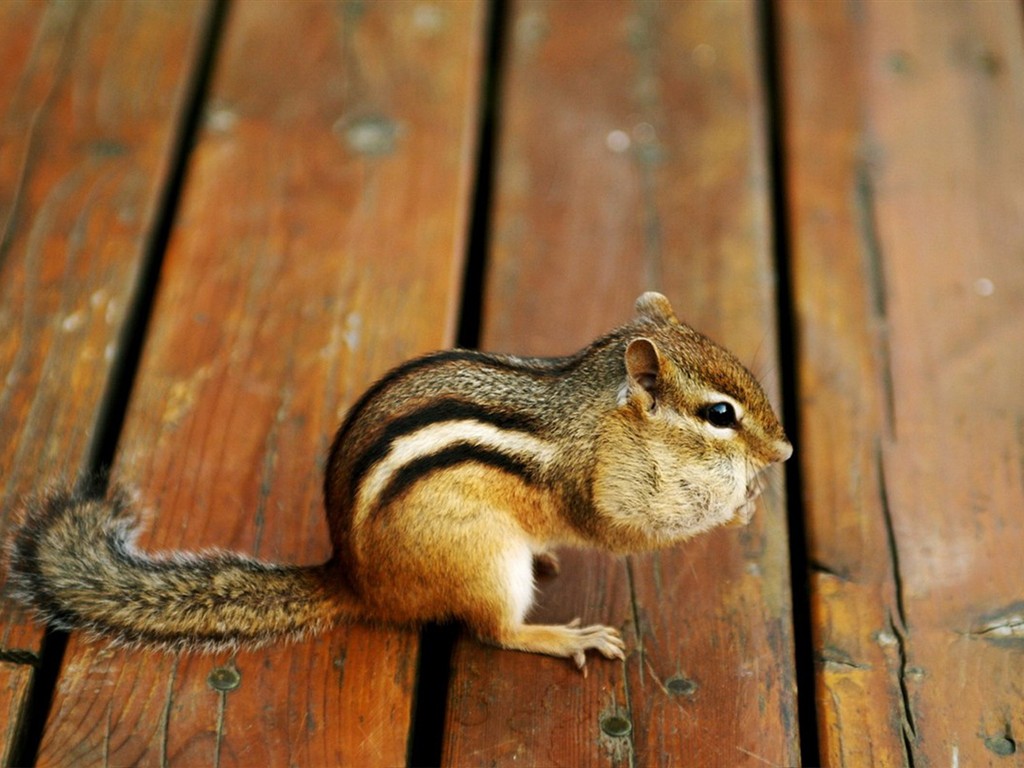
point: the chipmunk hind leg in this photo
(502, 622)
(569, 640)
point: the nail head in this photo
(1001, 745)
(616, 725)
(681, 686)
(225, 679)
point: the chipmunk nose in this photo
(783, 450)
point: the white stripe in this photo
(436, 437)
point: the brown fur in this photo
(448, 481)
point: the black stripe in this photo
(395, 374)
(540, 367)
(447, 409)
(459, 453)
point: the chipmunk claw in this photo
(580, 658)
(605, 640)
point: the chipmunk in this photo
(448, 482)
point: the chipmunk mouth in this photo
(745, 511)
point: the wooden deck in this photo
(219, 222)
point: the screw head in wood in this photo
(224, 679)
(681, 686)
(616, 726)
(1001, 745)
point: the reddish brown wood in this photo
(905, 168)
(15, 684)
(633, 156)
(91, 99)
(319, 241)
(842, 377)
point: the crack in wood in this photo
(106, 733)
(898, 622)
(222, 702)
(31, 147)
(906, 710)
(222, 706)
(817, 566)
(838, 659)
(867, 225)
(1004, 627)
(165, 715)
(1013, 626)
(891, 543)
(638, 632)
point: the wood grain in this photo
(91, 103)
(905, 167)
(15, 684)
(319, 241)
(633, 156)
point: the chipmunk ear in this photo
(643, 366)
(654, 306)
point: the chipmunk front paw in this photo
(605, 640)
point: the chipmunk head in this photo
(690, 433)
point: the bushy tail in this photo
(74, 561)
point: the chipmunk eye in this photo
(721, 415)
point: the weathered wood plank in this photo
(633, 156)
(15, 683)
(905, 166)
(319, 241)
(841, 375)
(91, 102)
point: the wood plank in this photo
(91, 102)
(320, 240)
(15, 684)
(633, 156)
(841, 373)
(905, 167)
